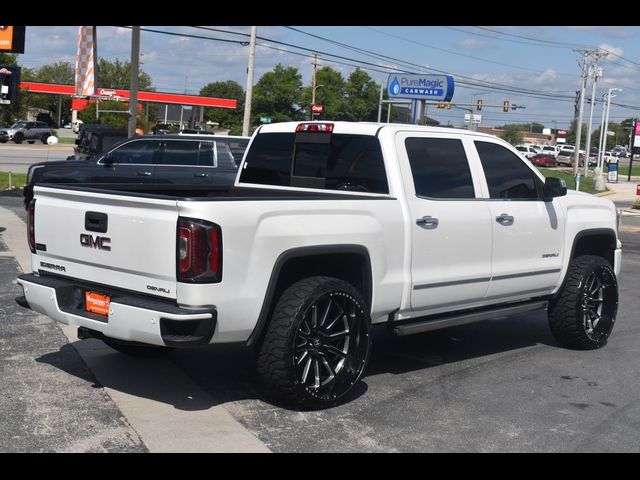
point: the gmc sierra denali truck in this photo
(329, 228)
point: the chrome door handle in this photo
(505, 219)
(427, 222)
(200, 174)
(144, 174)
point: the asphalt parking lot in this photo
(502, 386)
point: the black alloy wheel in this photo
(317, 344)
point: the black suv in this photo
(176, 160)
(93, 139)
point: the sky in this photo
(542, 59)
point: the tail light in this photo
(31, 226)
(314, 128)
(199, 251)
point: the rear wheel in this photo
(18, 138)
(584, 313)
(145, 351)
(317, 344)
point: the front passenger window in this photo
(508, 177)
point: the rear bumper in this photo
(133, 318)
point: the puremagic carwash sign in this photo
(420, 87)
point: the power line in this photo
(547, 42)
(499, 38)
(451, 51)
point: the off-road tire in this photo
(329, 320)
(143, 351)
(574, 310)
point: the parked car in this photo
(170, 160)
(619, 151)
(550, 150)
(567, 148)
(46, 118)
(29, 131)
(544, 160)
(527, 150)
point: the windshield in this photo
(19, 125)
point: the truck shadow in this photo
(200, 378)
(398, 355)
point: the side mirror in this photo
(553, 187)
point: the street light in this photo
(606, 106)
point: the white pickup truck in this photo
(329, 228)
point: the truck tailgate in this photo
(118, 240)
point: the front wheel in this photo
(317, 344)
(583, 314)
(44, 138)
(18, 138)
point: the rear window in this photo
(344, 162)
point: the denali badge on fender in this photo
(95, 241)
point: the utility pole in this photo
(313, 79)
(313, 82)
(583, 84)
(247, 101)
(597, 75)
(380, 102)
(133, 85)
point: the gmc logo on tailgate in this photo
(91, 241)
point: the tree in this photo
(330, 92)
(225, 117)
(521, 127)
(59, 72)
(512, 133)
(571, 135)
(278, 94)
(620, 134)
(117, 74)
(362, 96)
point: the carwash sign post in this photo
(419, 87)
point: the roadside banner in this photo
(86, 69)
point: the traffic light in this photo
(479, 105)
(505, 106)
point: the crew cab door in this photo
(131, 162)
(450, 228)
(528, 233)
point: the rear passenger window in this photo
(508, 177)
(338, 162)
(440, 168)
(183, 152)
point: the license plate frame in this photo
(95, 302)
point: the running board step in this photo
(451, 320)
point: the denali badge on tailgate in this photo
(95, 241)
